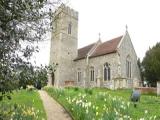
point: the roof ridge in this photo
(94, 48)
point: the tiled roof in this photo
(107, 47)
(102, 49)
(82, 52)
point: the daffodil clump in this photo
(18, 112)
(112, 108)
(97, 105)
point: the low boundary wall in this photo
(145, 90)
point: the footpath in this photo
(53, 109)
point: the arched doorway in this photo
(52, 76)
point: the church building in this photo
(111, 64)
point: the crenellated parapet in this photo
(66, 10)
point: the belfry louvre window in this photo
(107, 72)
(69, 28)
(92, 73)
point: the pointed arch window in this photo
(69, 28)
(107, 72)
(79, 75)
(128, 67)
(92, 74)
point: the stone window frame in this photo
(108, 71)
(70, 28)
(128, 67)
(79, 75)
(92, 74)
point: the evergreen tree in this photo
(151, 64)
(141, 69)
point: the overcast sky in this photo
(109, 17)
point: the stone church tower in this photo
(64, 44)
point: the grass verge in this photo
(28, 99)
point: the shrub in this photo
(88, 91)
(76, 88)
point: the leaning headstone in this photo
(135, 97)
(158, 88)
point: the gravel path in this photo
(53, 110)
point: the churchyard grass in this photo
(104, 104)
(25, 105)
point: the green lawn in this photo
(147, 102)
(29, 99)
(104, 104)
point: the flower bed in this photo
(101, 104)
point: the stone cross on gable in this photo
(126, 27)
(99, 36)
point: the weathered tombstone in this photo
(158, 87)
(135, 97)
